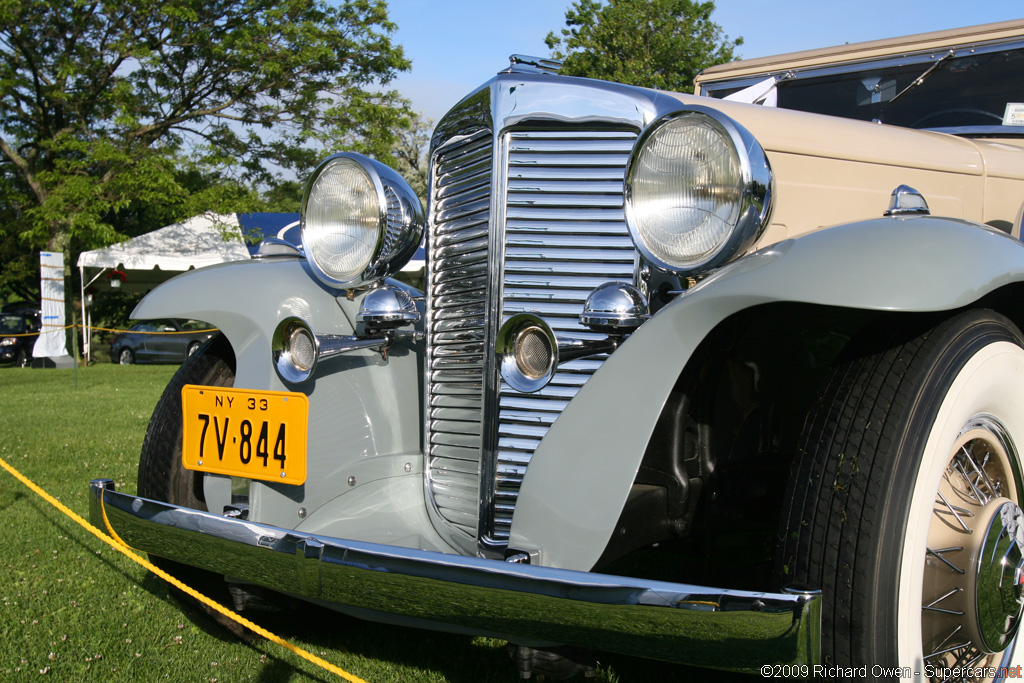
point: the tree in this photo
(112, 108)
(410, 153)
(660, 44)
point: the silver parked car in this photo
(159, 341)
(714, 382)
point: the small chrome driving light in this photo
(361, 222)
(906, 201)
(698, 191)
(615, 308)
(527, 352)
(387, 308)
(295, 350)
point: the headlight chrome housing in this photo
(361, 222)
(698, 191)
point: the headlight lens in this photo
(697, 191)
(361, 222)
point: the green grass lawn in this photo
(73, 609)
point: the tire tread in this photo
(841, 487)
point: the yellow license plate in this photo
(245, 433)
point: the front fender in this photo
(579, 477)
(363, 439)
(246, 300)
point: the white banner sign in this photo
(51, 342)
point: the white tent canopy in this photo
(200, 241)
(148, 260)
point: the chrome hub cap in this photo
(972, 597)
(998, 576)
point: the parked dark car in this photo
(159, 341)
(18, 334)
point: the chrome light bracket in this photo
(297, 351)
(529, 352)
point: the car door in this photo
(162, 347)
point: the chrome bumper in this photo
(709, 627)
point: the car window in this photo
(12, 324)
(973, 90)
(960, 89)
(195, 325)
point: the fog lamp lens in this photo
(302, 348)
(533, 353)
(527, 353)
(295, 350)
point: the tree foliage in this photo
(410, 153)
(660, 44)
(119, 116)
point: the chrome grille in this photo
(564, 234)
(457, 319)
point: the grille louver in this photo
(457, 320)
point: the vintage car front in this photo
(602, 422)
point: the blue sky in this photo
(456, 45)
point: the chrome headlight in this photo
(698, 189)
(361, 222)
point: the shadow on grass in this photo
(9, 498)
(455, 657)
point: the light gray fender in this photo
(579, 477)
(364, 436)
(246, 300)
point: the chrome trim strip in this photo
(696, 625)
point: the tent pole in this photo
(86, 335)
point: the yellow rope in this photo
(105, 329)
(115, 542)
(55, 328)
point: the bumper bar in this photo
(695, 625)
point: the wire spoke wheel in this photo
(903, 502)
(967, 619)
